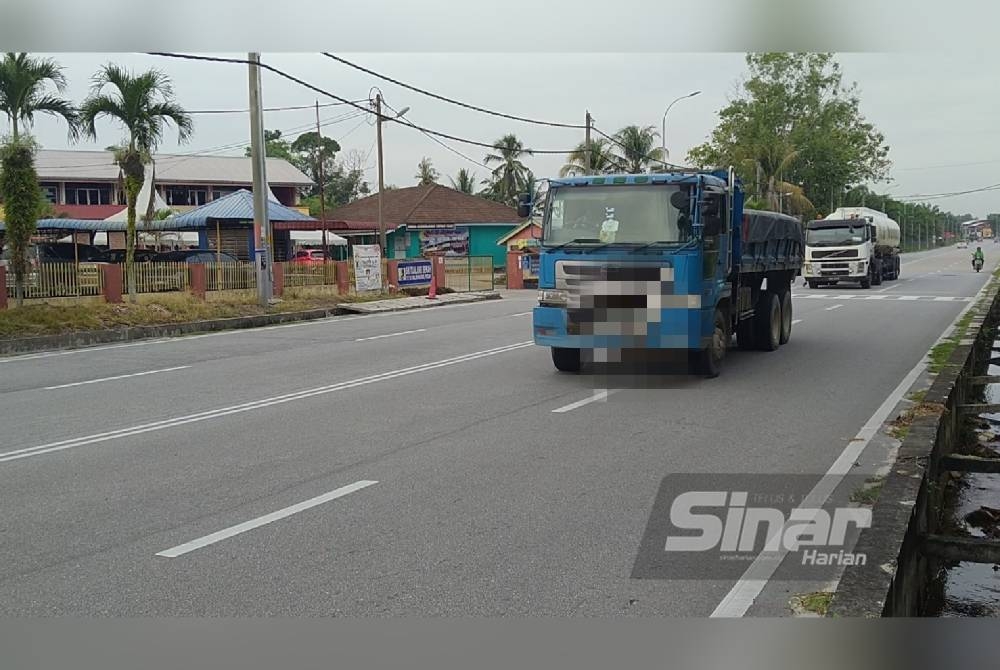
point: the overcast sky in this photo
(936, 110)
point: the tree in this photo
(316, 156)
(796, 102)
(464, 181)
(143, 104)
(426, 174)
(635, 148)
(23, 84)
(274, 146)
(508, 179)
(602, 159)
(23, 204)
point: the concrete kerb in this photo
(88, 338)
(896, 577)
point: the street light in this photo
(381, 180)
(663, 129)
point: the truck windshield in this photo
(836, 236)
(614, 214)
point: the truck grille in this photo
(834, 266)
(842, 253)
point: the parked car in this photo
(309, 257)
(118, 256)
(963, 245)
(196, 256)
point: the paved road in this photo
(412, 463)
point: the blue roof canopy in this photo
(77, 225)
(236, 206)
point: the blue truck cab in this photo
(672, 261)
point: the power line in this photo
(615, 140)
(446, 146)
(937, 196)
(301, 82)
(268, 109)
(451, 100)
(949, 165)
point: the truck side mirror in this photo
(524, 205)
(679, 200)
(713, 226)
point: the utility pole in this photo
(381, 177)
(588, 164)
(319, 172)
(262, 224)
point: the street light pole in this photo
(381, 174)
(663, 128)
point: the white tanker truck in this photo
(853, 244)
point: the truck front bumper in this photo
(846, 271)
(676, 329)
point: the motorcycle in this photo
(978, 264)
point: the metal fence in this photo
(59, 280)
(300, 274)
(159, 277)
(469, 273)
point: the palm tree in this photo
(602, 159)
(770, 163)
(635, 148)
(509, 178)
(143, 104)
(23, 83)
(426, 174)
(464, 181)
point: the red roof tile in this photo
(88, 212)
(425, 206)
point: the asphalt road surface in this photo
(428, 462)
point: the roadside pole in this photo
(262, 241)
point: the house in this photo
(429, 219)
(525, 236)
(85, 184)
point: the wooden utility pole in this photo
(588, 165)
(262, 224)
(381, 174)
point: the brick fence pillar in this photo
(343, 274)
(112, 277)
(392, 273)
(279, 279)
(515, 274)
(438, 271)
(199, 280)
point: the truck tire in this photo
(710, 360)
(566, 360)
(767, 321)
(786, 317)
(877, 272)
(895, 273)
(813, 284)
(746, 336)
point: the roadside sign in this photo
(412, 273)
(367, 267)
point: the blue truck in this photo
(670, 262)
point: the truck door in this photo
(716, 241)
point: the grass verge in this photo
(151, 310)
(815, 603)
(868, 493)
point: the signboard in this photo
(367, 267)
(412, 273)
(444, 241)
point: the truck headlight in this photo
(808, 268)
(551, 297)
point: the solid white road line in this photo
(832, 307)
(249, 406)
(226, 533)
(599, 396)
(382, 337)
(522, 314)
(795, 321)
(741, 597)
(108, 379)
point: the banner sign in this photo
(444, 241)
(412, 273)
(367, 267)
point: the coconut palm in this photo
(24, 81)
(464, 181)
(426, 174)
(509, 178)
(602, 159)
(769, 164)
(143, 103)
(635, 148)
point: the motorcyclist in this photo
(978, 256)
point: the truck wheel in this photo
(767, 321)
(877, 273)
(710, 360)
(813, 284)
(786, 317)
(746, 337)
(866, 282)
(566, 360)
(895, 273)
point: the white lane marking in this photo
(226, 533)
(522, 314)
(876, 297)
(237, 331)
(250, 406)
(741, 597)
(108, 379)
(832, 307)
(910, 297)
(795, 321)
(382, 337)
(599, 396)
(944, 298)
